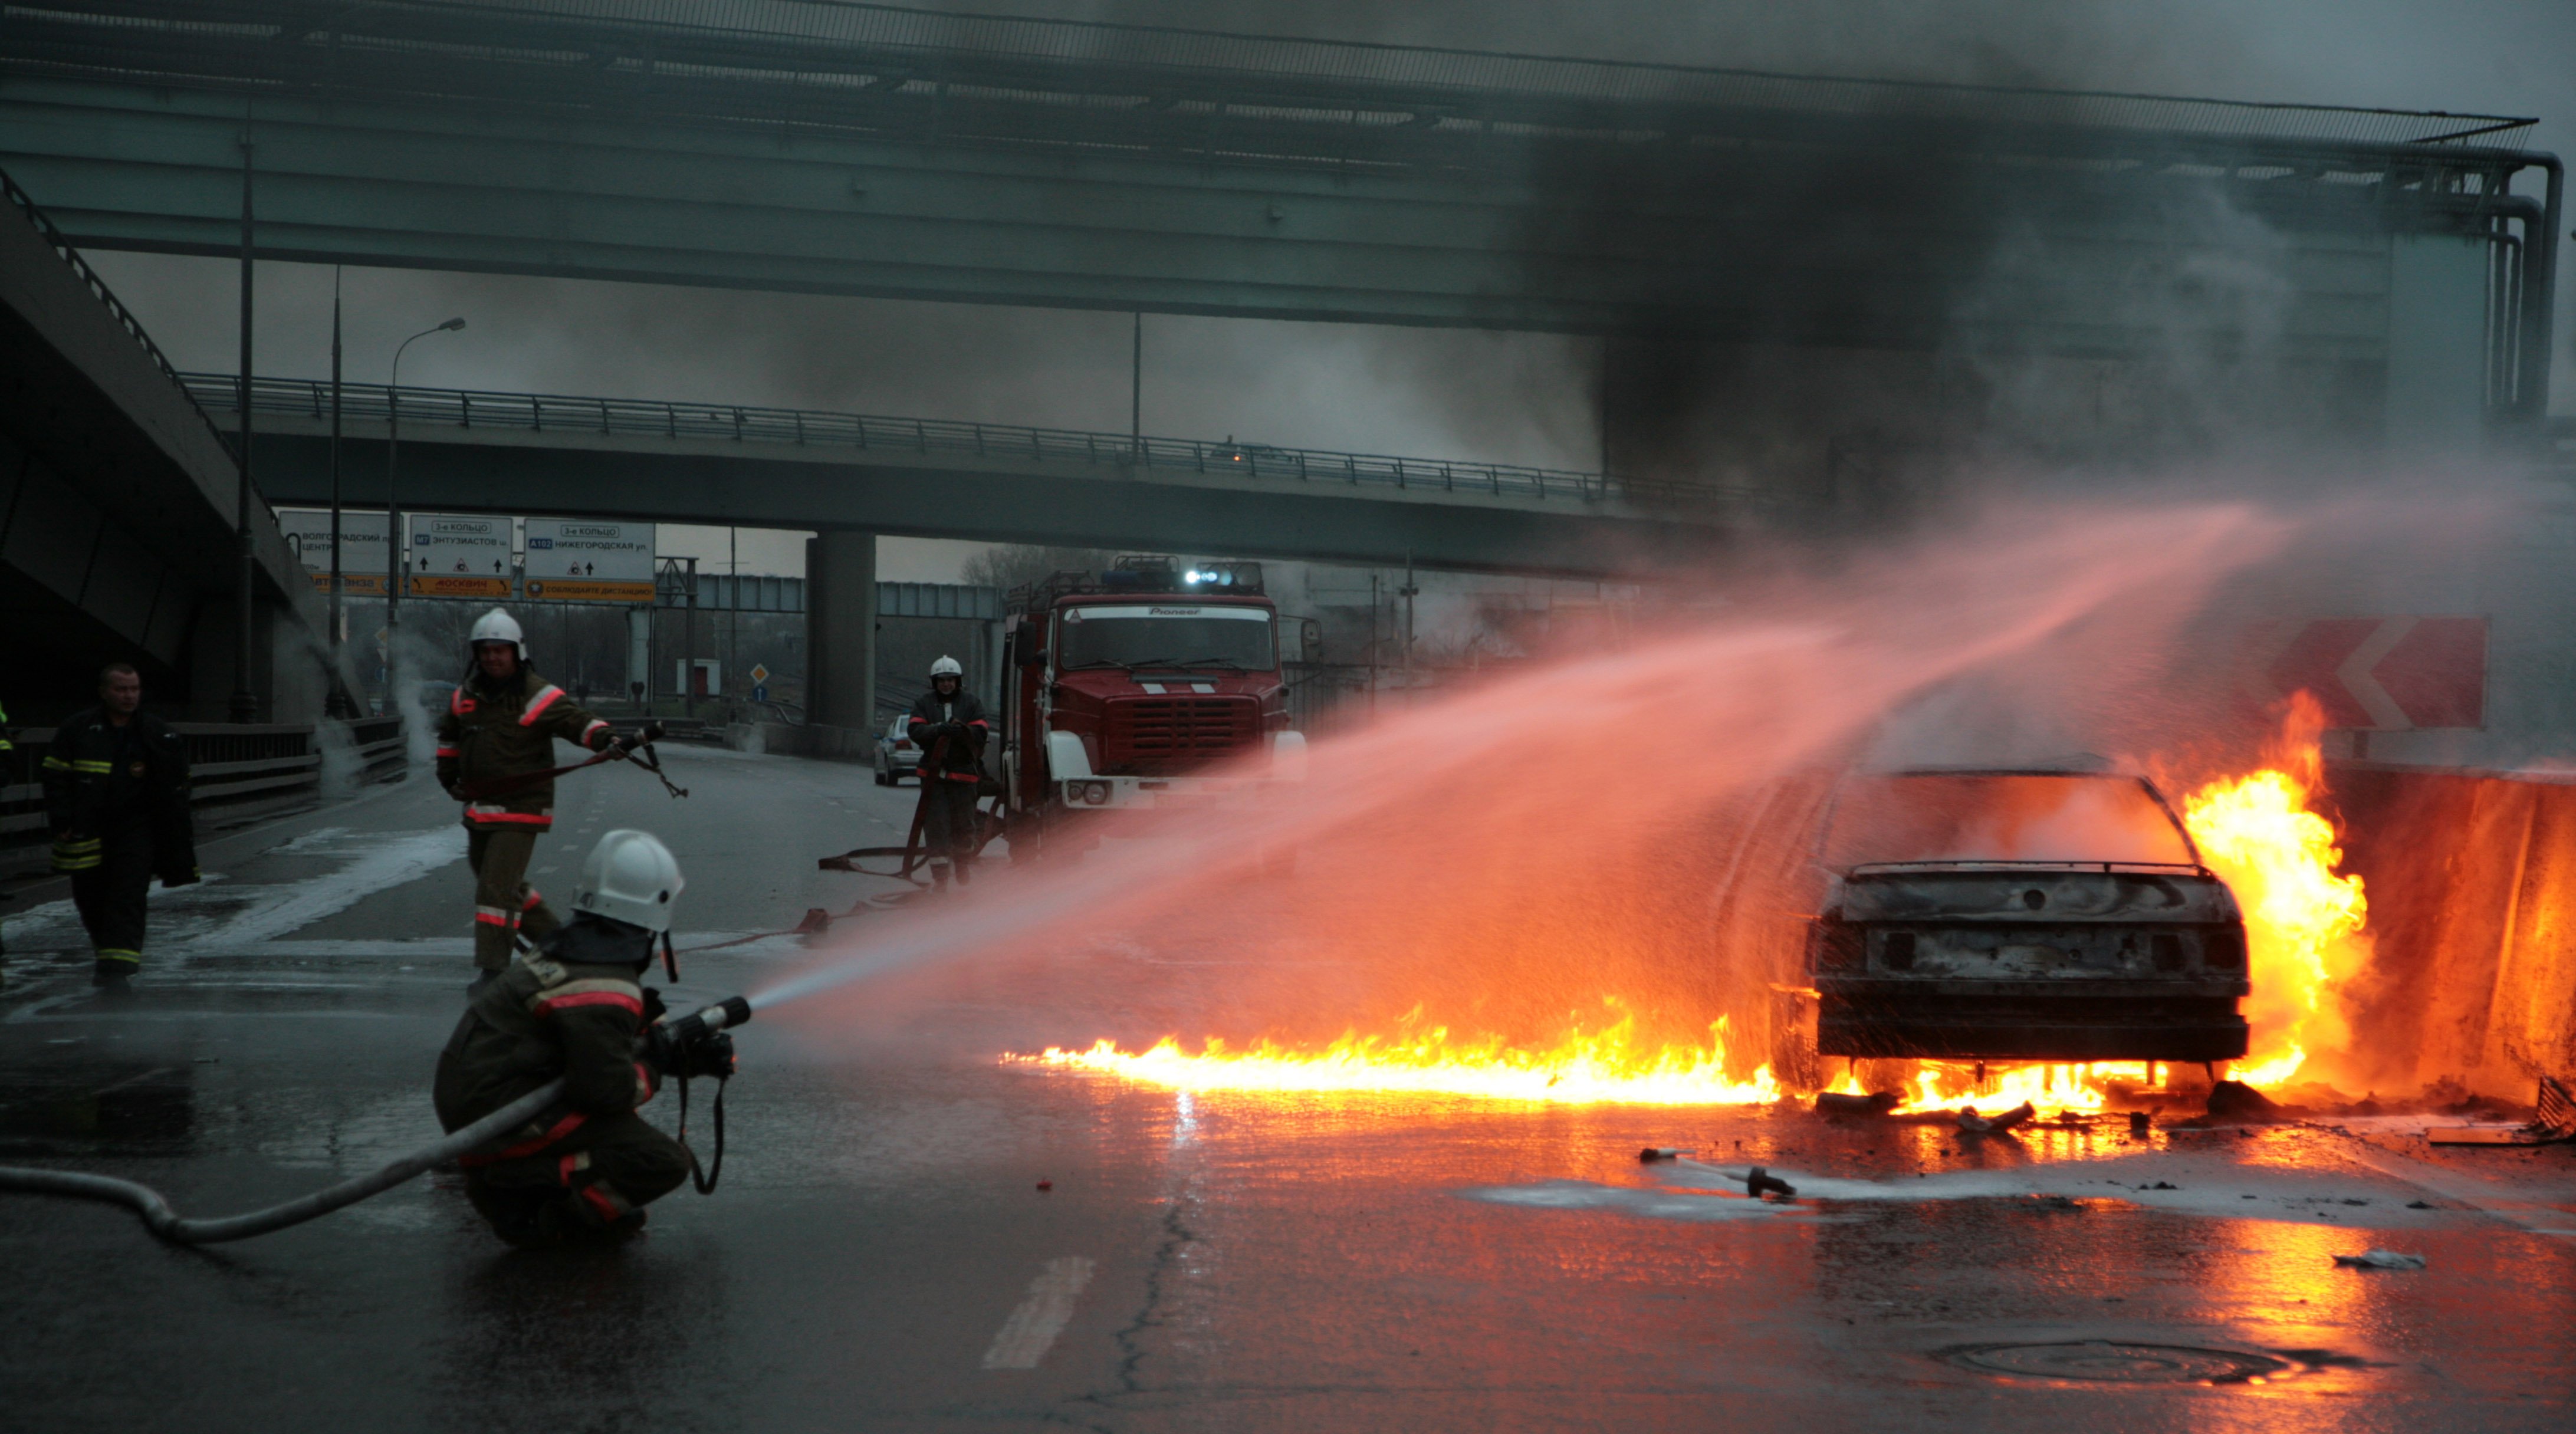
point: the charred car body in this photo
(2020, 915)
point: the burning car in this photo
(2020, 915)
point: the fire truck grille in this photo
(1160, 734)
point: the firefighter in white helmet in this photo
(495, 742)
(949, 727)
(583, 1169)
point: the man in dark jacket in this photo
(500, 729)
(948, 725)
(584, 1169)
(116, 797)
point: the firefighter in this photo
(116, 796)
(948, 726)
(501, 723)
(583, 1170)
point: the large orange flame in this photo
(2303, 926)
(2303, 921)
(1609, 1065)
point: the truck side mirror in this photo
(1310, 639)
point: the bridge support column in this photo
(840, 629)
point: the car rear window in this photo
(2011, 817)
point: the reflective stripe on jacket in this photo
(554, 1014)
(491, 731)
(98, 774)
(964, 759)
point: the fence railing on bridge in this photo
(546, 413)
(236, 772)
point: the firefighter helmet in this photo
(947, 667)
(498, 626)
(631, 877)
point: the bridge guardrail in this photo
(537, 412)
(236, 771)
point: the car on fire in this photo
(2019, 915)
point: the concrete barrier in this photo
(808, 739)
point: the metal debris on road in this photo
(1842, 1103)
(1971, 1123)
(2380, 1260)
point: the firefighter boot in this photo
(939, 875)
(965, 871)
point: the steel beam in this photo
(431, 186)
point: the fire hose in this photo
(910, 853)
(688, 1033)
(640, 752)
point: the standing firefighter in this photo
(583, 1169)
(948, 726)
(497, 735)
(116, 795)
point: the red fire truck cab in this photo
(1146, 686)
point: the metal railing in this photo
(236, 772)
(875, 433)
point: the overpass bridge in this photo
(118, 512)
(732, 465)
(861, 149)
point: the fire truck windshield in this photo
(1137, 635)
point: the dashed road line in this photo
(1031, 1330)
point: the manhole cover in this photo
(2115, 1362)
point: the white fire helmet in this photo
(947, 667)
(631, 877)
(498, 626)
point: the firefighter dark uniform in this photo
(116, 797)
(492, 731)
(950, 771)
(573, 1009)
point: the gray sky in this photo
(1511, 397)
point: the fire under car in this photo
(2020, 915)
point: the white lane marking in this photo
(1031, 1330)
(299, 904)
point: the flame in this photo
(2303, 924)
(1610, 1065)
(1948, 1086)
(2303, 921)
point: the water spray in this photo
(692, 1044)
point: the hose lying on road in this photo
(169, 1225)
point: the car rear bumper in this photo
(2086, 1021)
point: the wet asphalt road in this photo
(1225, 1263)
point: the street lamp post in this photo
(395, 553)
(338, 704)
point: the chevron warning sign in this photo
(2383, 674)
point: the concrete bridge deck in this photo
(781, 468)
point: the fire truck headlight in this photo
(1095, 793)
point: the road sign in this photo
(759, 673)
(579, 560)
(2378, 674)
(457, 556)
(759, 693)
(362, 547)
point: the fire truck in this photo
(1148, 686)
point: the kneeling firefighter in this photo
(576, 1008)
(949, 727)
